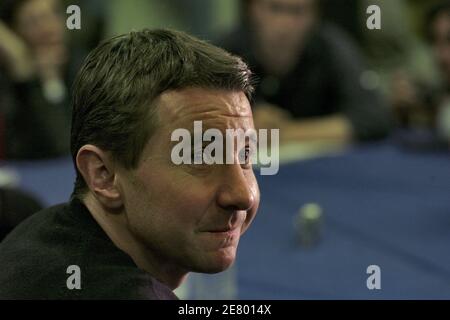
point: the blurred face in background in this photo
(440, 32)
(280, 28)
(40, 23)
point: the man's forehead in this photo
(192, 103)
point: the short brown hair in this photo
(114, 91)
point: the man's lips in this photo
(229, 235)
(234, 224)
(225, 235)
(222, 229)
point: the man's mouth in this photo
(225, 232)
(224, 229)
(229, 228)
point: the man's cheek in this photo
(247, 224)
(250, 216)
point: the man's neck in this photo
(116, 227)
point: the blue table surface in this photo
(382, 206)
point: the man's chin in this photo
(217, 262)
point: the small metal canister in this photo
(309, 225)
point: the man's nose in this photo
(237, 191)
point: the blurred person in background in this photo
(36, 69)
(422, 104)
(399, 55)
(397, 47)
(438, 32)
(312, 77)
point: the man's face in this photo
(192, 216)
(281, 27)
(441, 42)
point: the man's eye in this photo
(197, 157)
(245, 156)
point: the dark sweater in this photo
(35, 257)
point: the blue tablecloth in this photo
(382, 206)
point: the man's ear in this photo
(98, 170)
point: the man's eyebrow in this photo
(226, 110)
(223, 132)
(217, 113)
(238, 115)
